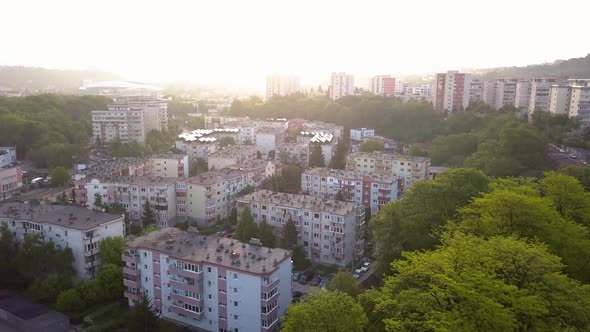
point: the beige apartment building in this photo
(170, 165)
(231, 155)
(11, 181)
(330, 232)
(408, 168)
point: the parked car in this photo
(297, 294)
(305, 277)
(324, 281)
(295, 276)
(357, 273)
(316, 280)
(366, 266)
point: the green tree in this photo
(60, 176)
(109, 278)
(339, 159)
(325, 312)
(476, 284)
(416, 150)
(316, 159)
(142, 317)
(416, 221)
(266, 235)
(300, 263)
(568, 196)
(233, 216)
(98, 201)
(451, 150)
(70, 301)
(289, 235)
(9, 247)
(582, 173)
(148, 217)
(344, 282)
(247, 228)
(508, 213)
(47, 290)
(371, 145)
(111, 250)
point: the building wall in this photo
(408, 168)
(560, 99)
(11, 181)
(341, 85)
(540, 98)
(170, 167)
(361, 134)
(7, 156)
(281, 85)
(523, 95)
(580, 104)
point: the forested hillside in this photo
(573, 68)
(30, 78)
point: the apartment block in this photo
(451, 91)
(371, 190)
(359, 134)
(170, 165)
(197, 146)
(475, 90)
(400, 87)
(327, 143)
(212, 122)
(341, 85)
(293, 153)
(382, 85)
(559, 99)
(523, 95)
(133, 192)
(209, 283)
(408, 168)
(7, 156)
(231, 155)
(572, 99)
(281, 86)
(129, 120)
(210, 196)
(330, 232)
(540, 98)
(11, 182)
(267, 139)
(325, 128)
(580, 104)
(68, 226)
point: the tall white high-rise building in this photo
(451, 91)
(281, 85)
(341, 85)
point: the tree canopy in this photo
(344, 282)
(60, 176)
(371, 145)
(247, 228)
(316, 158)
(325, 311)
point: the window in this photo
(210, 296)
(209, 269)
(235, 303)
(236, 317)
(235, 276)
(235, 290)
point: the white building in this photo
(68, 226)
(133, 192)
(408, 168)
(330, 232)
(267, 139)
(7, 156)
(341, 85)
(371, 190)
(540, 99)
(359, 134)
(281, 86)
(559, 100)
(523, 95)
(209, 283)
(476, 90)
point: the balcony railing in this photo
(270, 286)
(128, 258)
(131, 271)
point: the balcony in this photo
(132, 259)
(185, 299)
(131, 271)
(130, 283)
(131, 296)
(181, 285)
(267, 301)
(270, 286)
(185, 273)
(272, 326)
(266, 316)
(190, 314)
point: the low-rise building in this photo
(371, 190)
(330, 232)
(267, 139)
(209, 283)
(7, 156)
(325, 128)
(409, 168)
(18, 313)
(68, 226)
(170, 165)
(231, 155)
(11, 182)
(359, 134)
(293, 153)
(133, 192)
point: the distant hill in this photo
(572, 68)
(48, 80)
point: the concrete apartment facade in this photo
(451, 91)
(523, 95)
(560, 96)
(267, 139)
(209, 283)
(293, 153)
(170, 165)
(330, 232)
(475, 90)
(371, 190)
(7, 156)
(540, 98)
(341, 85)
(408, 168)
(382, 85)
(11, 182)
(277, 85)
(70, 226)
(133, 192)
(231, 155)
(359, 134)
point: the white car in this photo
(357, 273)
(366, 266)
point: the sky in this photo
(236, 44)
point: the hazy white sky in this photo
(238, 43)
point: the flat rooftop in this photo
(136, 180)
(212, 177)
(70, 216)
(234, 151)
(385, 155)
(295, 201)
(192, 247)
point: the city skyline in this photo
(237, 45)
